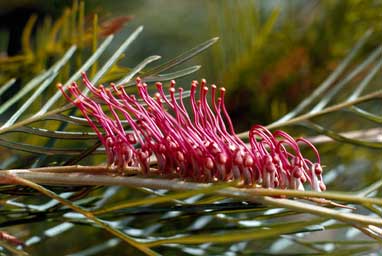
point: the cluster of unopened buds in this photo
(199, 144)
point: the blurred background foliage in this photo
(271, 55)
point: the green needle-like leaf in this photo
(138, 69)
(6, 86)
(231, 237)
(328, 81)
(182, 58)
(57, 134)
(41, 88)
(77, 75)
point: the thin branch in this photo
(372, 135)
(36, 118)
(337, 107)
(87, 214)
(321, 211)
(13, 249)
(255, 194)
(102, 175)
(342, 105)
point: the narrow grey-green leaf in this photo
(41, 88)
(169, 76)
(27, 88)
(328, 81)
(96, 249)
(42, 150)
(333, 91)
(367, 115)
(357, 92)
(238, 235)
(69, 119)
(93, 58)
(57, 134)
(8, 84)
(138, 69)
(336, 136)
(183, 57)
(115, 56)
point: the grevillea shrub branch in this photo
(199, 144)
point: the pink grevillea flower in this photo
(198, 144)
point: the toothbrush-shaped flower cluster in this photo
(198, 144)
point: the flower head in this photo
(199, 144)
